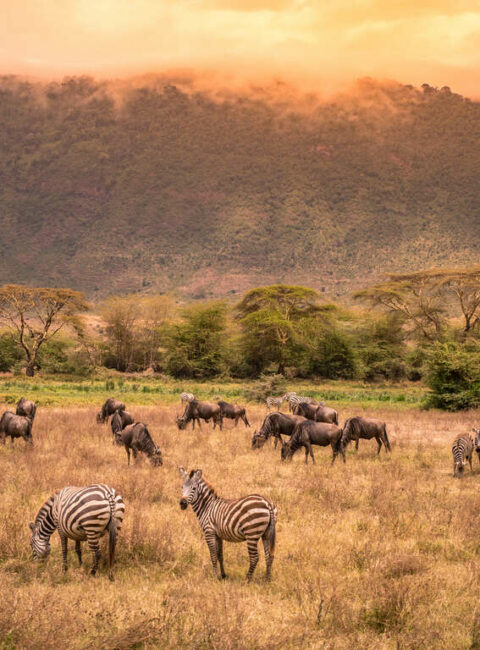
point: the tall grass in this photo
(378, 553)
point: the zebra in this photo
(79, 513)
(293, 400)
(186, 397)
(234, 520)
(274, 401)
(462, 450)
(477, 442)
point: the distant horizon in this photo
(328, 44)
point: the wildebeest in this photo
(317, 413)
(233, 412)
(120, 420)
(275, 424)
(367, 428)
(477, 442)
(196, 410)
(15, 426)
(310, 433)
(26, 408)
(136, 437)
(109, 408)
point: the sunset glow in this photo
(323, 43)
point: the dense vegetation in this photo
(151, 185)
(421, 325)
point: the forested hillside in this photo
(153, 185)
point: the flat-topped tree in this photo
(35, 315)
(416, 297)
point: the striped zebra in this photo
(462, 450)
(186, 397)
(294, 400)
(234, 520)
(274, 401)
(79, 513)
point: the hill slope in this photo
(155, 186)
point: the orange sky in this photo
(327, 42)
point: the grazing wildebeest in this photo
(310, 433)
(15, 426)
(462, 450)
(233, 412)
(109, 408)
(120, 420)
(136, 437)
(26, 408)
(317, 413)
(367, 428)
(275, 424)
(196, 410)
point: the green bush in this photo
(453, 376)
(265, 386)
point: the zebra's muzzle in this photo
(183, 504)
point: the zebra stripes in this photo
(294, 400)
(274, 401)
(80, 514)
(186, 397)
(234, 520)
(462, 450)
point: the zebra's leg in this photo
(211, 540)
(220, 557)
(64, 542)
(268, 556)
(253, 556)
(95, 548)
(78, 550)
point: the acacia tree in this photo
(272, 319)
(35, 315)
(464, 286)
(415, 296)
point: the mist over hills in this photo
(159, 184)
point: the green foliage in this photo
(454, 376)
(265, 386)
(196, 346)
(10, 352)
(334, 357)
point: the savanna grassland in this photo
(378, 553)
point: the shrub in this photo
(453, 376)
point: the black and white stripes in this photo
(80, 514)
(462, 450)
(234, 520)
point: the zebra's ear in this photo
(31, 525)
(198, 474)
(182, 472)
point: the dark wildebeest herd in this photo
(248, 519)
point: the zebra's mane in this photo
(206, 483)
(45, 510)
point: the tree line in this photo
(415, 326)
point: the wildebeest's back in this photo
(321, 433)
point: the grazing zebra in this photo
(186, 397)
(294, 400)
(84, 513)
(234, 520)
(274, 401)
(462, 450)
(477, 442)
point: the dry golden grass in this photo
(379, 553)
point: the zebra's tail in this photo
(270, 533)
(112, 541)
(387, 441)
